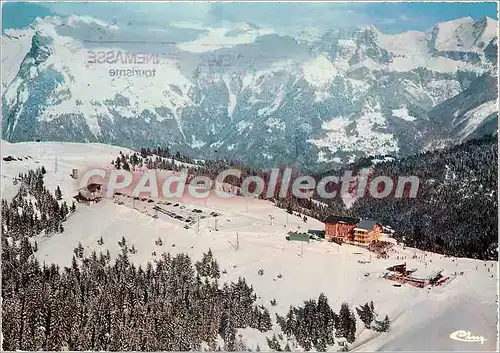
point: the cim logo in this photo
(466, 336)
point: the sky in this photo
(388, 17)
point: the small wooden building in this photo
(401, 269)
(380, 247)
(317, 232)
(416, 278)
(423, 278)
(91, 193)
(298, 236)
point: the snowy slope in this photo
(236, 86)
(411, 43)
(364, 133)
(15, 45)
(464, 34)
(68, 57)
(61, 155)
(421, 319)
(475, 117)
(464, 115)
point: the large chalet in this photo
(351, 230)
(367, 231)
(339, 229)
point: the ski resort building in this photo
(352, 230)
(366, 232)
(90, 193)
(298, 236)
(339, 229)
(380, 247)
(414, 277)
(317, 232)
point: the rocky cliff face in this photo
(263, 97)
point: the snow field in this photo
(421, 319)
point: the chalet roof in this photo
(90, 192)
(423, 274)
(92, 187)
(366, 224)
(401, 268)
(316, 231)
(84, 197)
(341, 219)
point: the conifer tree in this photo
(382, 326)
(366, 314)
(58, 193)
(80, 250)
(291, 322)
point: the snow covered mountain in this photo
(250, 92)
(421, 319)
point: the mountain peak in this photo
(457, 21)
(488, 19)
(464, 34)
(267, 83)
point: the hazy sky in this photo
(388, 17)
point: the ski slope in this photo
(248, 239)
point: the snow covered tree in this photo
(208, 266)
(58, 193)
(382, 326)
(79, 250)
(227, 331)
(366, 314)
(351, 336)
(326, 321)
(122, 243)
(346, 323)
(291, 322)
(274, 343)
(264, 320)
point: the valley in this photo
(313, 103)
(249, 177)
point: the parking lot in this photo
(188, 216)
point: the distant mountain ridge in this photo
(255, 94)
